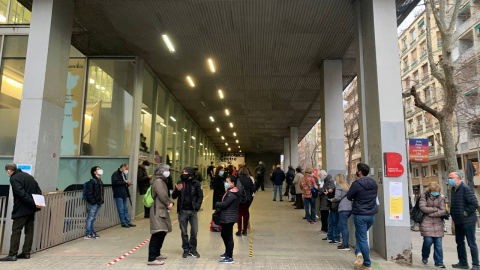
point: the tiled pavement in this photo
(281, 240)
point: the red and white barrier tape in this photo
(128, 253)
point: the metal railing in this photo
(63, 218)
(3, 211)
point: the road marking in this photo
(376, 266)
(251, 233)
(128, 253)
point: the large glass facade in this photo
(18, 13)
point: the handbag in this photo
(293, 190)
(417, 214)
(216, 217)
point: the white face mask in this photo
(100, 172)
(166, 173)
(146, 168)
(125, 172)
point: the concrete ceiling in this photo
(267, 55)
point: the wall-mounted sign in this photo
(232, 157)
(26, 168)
(418, 150)
(393, 166)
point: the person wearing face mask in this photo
(143, 181)
(327, 185)
(228, 217)
(23, 213)
(190, 196)
(94, 194)
(160, 223)
(218, 191)
(463, 210)
(121, 193)
(431, 228)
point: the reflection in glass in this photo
(18, 13)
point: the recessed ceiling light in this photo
(184, 141)
(211, 119)
(190, 81)
(234, 134)
(212, 66)
(201, 143)
(229, 149)
(231, 124)
(236, 141)
(168, 43)
(145, 112)
(92, 81)
(218, 129)
(220, 93)
(97, 86)
(240, 151)
(185, 130)
(163, 124)
(223, 138)
(226, 144)
(193, 137)
(191, 146)
(239, 146)
(173, 119)
(227, 112)
(174, 133)
(205, 148)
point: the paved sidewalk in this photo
(281, 240)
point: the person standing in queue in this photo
(143, 181)
(218, 192)
(190, 197)
(228, 216)
(260, 172)
(120, 186)
(94, 194)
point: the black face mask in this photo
(358, 175)
(185, 177)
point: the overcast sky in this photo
(411, 17)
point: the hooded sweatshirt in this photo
(363, 193)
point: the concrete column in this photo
(382, 120)
(294, 146)
(135, 139)
(43, 99)
(331, 103)
(166, 116)
(286, 153)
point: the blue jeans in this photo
(310, 203)
(437, 249)
(333, 232)
(343, 225)
(468, 231)
(362, 225)
(122, 209)
(279, 188)
(93, 212)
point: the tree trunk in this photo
(349, 173)
(448, 143)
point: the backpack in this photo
(417, 214)
(243, 192)
(84, 196)
(148, 200)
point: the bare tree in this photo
(444, 72)
(352, 133)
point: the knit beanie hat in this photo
(189, 170)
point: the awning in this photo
(463, 9)
(471, 92)
(420, 24)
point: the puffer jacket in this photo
(463, 200)
(159, 217)
(363, 193)
(341, 197)
(296, 182)
(434, 209)
(229, 206)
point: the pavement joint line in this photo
(128, 253)
(376, 266)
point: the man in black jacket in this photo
(463, 212)
(278, 177)
(260, 172)
(363, 193)
(94, 194)
(289, 177)
(23, 214)
(143, 181)
(120, 194)
(190, 197)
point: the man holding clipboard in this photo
(23, 214)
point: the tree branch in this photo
(453, 19)
(420, 104)
(433, 67)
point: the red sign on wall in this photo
(315, 173)
(393, 166)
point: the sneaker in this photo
(194, 254)
(325, 239)
(474, 267)
(185, 254)
(460, 266)
(227, 260)
(342, 247)
(363, 267)
(358, 260)
(156, 262)
(131, 225)
(281, 200)
(238, 234)
(90, 237)
(314, 222)
(96, 235)
(321, 232)
(244, 233)
(424, 261)
(125, 226)
(334, 242)
(440, 266)
(223, 256)
(274, 200)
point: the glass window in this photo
(146, 113)
(3, 11)
(109, 107)
(15, 46)
(18, 13)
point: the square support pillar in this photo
(286, 154)
(382, 122)
(40, 122)
(331, 103)
(294, 146)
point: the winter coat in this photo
(434, 209)
(218, 189)
(94, 191)
(328, 183)
(363, 193)
(143, 181)
(248, 186)
(260, 168)
(159, 215)
(278, 176)
(23, 186)
(296, 182)
(119, 187)
(341, 197)
(463, 200)
(290, 176)
(229, 206)
(306, 183)
(197, 195)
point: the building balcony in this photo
(429, 128)
(423, 57)
(466, 26)
(406, 69)
(420, 131)
(414, 63)
(411, 133)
